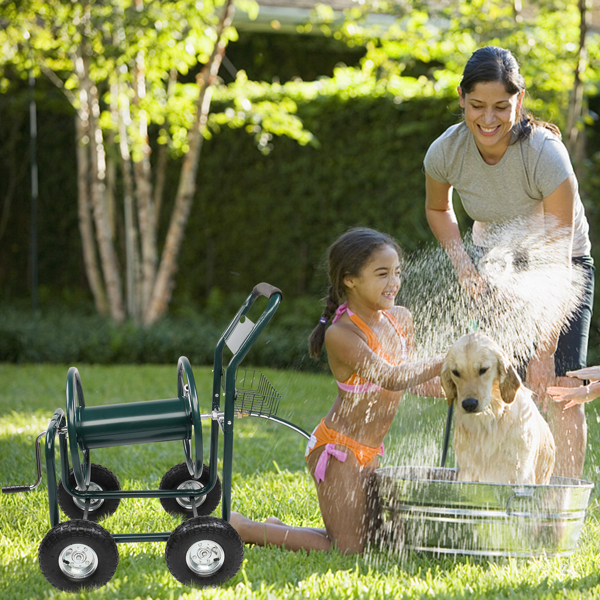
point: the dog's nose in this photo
(470, 404)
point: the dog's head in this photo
(475, 371)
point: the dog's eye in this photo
(483, 370)
(455, 373)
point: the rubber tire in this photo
(179, 474)
(72, 532)
(102, 477)
(200, 529)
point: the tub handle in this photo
(523, 492)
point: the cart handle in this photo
(266, 290)
(14, 489)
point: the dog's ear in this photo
(447, 384)
(509, 380)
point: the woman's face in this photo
(490, 114)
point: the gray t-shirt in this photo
(530, 170)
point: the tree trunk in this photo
(95, 170)
(161, 161)
(574, 141)
(132, 276)
(187, 184)
(86, 228)
(145, 202)
(108, 256)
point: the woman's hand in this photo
(471, 281)
(540, 376)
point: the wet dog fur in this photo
(499, 434)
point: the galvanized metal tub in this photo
(426, 509)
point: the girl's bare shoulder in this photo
(342, 333)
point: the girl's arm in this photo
(443, 223)
(428, 389)
(348, 353)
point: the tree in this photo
(432, 40)
(575, 141)
(119, 64)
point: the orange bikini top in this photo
(355, 383)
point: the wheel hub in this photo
(186, 502)
(205, 557)
(78, 561)
(95, 503)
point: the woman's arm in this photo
(443, 223)
(559, 212)
(348, 353)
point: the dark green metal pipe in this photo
(132, 538)
(230, 374)
(57, 421)
(133, 423)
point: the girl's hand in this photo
(574, 396)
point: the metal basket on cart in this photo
(254, 395)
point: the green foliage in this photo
(74, 337)
(271, 218)
(437, 40)
(125, 42)
(337, 152)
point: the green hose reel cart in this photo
(203, 550)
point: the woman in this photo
(506, 165)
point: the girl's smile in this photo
(378, 284)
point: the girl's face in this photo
(378, 283)
(490, 114)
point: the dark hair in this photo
(346, 256)
(492, 63)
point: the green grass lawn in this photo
(270, 478)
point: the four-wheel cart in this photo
(202, 550)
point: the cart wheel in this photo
(179, 478)
(100, 479)
(78, 554)
(204, 551)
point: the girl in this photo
(370, 349)
(505, 164)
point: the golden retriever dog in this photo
(499, 434)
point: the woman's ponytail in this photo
(529, 123)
